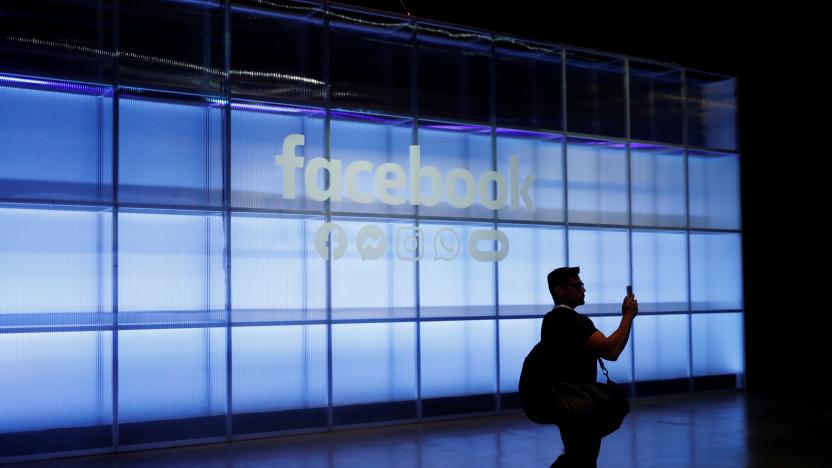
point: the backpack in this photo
(598, 408)
(536, 387)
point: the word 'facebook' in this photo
(391, 182)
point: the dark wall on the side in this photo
(775, 54)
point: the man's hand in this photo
(630, 306)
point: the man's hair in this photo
(560, 277)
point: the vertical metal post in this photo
(687, 225)
(115, 155)
(627, 130)
(741, 379)
(226, 205)
(330, 411)
(414, 107)
(564, 154)
(492, 72)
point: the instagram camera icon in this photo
(409, 243)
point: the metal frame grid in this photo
(227, 211)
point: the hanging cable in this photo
(405, 7)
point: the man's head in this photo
(566, 287)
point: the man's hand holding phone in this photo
(630, 305)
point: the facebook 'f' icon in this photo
(331, 238)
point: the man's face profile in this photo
(572, 292)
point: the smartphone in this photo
(629, 289)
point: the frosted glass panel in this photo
(276, 274)
(660, 271)
(55, 261)
(279, 368)
(661, 347)
(171, 374)
(56, 146)
(458, 358)
(370, 280)
(718, 344)
(603, 256)
(373, 362)
(714, 190)
(170, 262)
(377, 140)
(595, 87)
(55, 380)
(170, 152)
(448, 147)
(621, 371)
(712, 111)
(597, 175)
(451, 281)
(716, 271)
(517, 337)
(534, 252)
(258, 133)
(537, 155)
(658, 186)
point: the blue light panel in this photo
(67, 380)
(373, 362)
(662, 348)
(56, 146)
(458, 358)
(279, 368)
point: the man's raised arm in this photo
(611, 347)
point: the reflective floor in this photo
(707, 429)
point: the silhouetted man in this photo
(572, 346)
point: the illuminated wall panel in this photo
(55, 261)
(451, 281)
(660, 270)
(458, 358)
(279, 368)
(67, 383)
(597, 187)
(718, 343)
(277, 275)
(537, 155)
(714, 190)
(383, 142)
(171, 374)
(658, 186)
(57, 145)
(170, 263)
(517, 337)
(373, 362)
(716, 271)
(603, 256)
(258, 133)
(661, 347)
(170, 152)
(447, 147)
(388, 283)
(522, 275)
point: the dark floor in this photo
(707, 429)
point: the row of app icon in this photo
(484, 245)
